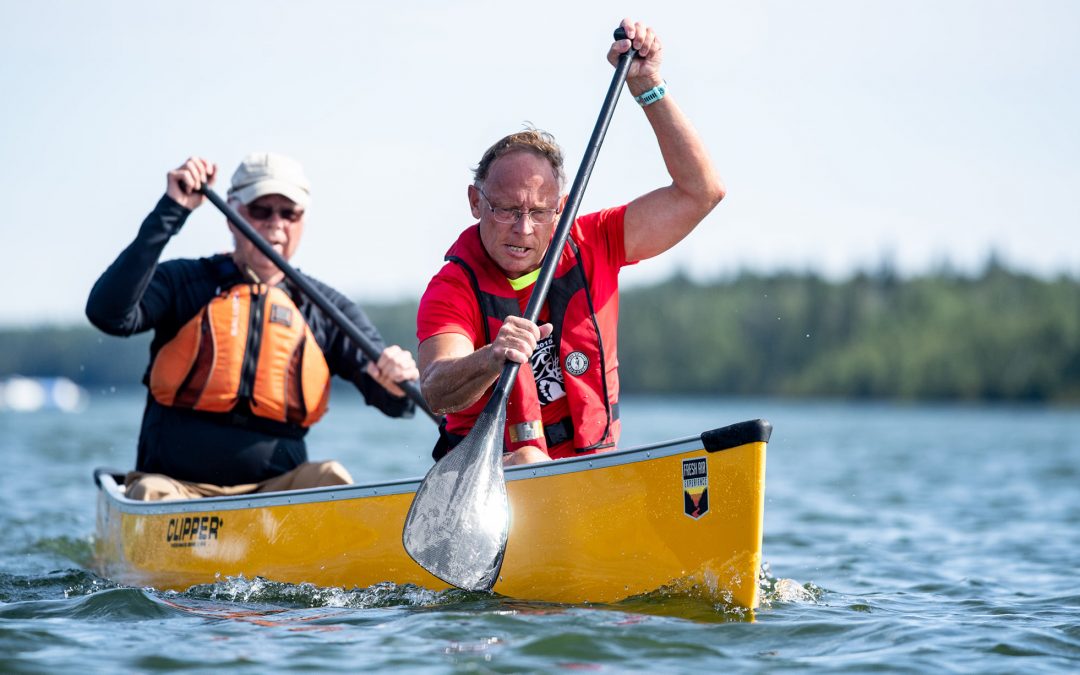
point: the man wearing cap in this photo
(240, 361)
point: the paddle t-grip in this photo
(620, 34)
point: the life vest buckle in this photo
(526, 431)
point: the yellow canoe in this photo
(600, 528)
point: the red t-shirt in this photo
(449, 305)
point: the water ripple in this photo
(899, 539)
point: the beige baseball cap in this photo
(268, 173)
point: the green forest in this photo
(999, 335)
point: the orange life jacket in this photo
(579, 332)
(250, 344)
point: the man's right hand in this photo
(517, 340)
(183, 182)
(454, 374)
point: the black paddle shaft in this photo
(458, 523)
(315, 295)
(551, 258)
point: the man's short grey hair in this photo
(532, 140)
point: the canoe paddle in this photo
(458, 522)
(315, 295)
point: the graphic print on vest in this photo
(546, 371)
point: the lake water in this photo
(900, 538)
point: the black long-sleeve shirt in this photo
(136, 294)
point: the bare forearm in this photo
(660, 219)
(687, 161)
(453, 384)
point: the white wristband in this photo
(653, 95)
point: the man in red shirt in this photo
(469, 322)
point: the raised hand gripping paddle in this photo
(315, 295)
(458, 522)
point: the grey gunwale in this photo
(111, 491)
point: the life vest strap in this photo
(563, 430)
(554, 433)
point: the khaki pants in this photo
(152, 487)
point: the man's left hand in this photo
(644, 73)
(394, 365)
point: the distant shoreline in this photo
(1000, 335)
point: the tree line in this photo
(998, 335)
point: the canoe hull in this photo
(591, 529)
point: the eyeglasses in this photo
(261, 212)
(507, 216)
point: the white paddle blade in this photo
(458, 522)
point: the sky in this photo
(847, 133)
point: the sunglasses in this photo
(260, 212)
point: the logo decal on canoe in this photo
(577, 363)
(695, 481)
(193, 531)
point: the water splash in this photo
(259, 590)
(773, 590)
(67, 583)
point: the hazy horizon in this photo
(846, 132)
